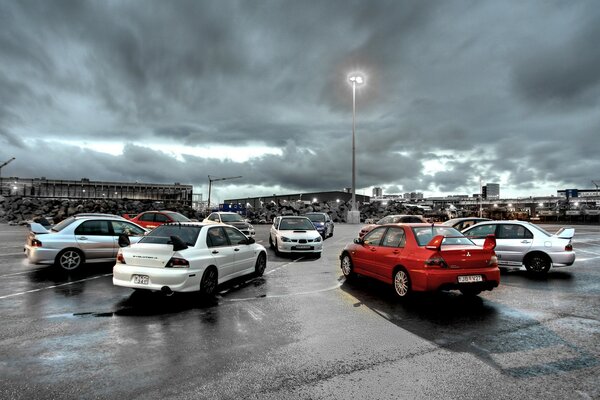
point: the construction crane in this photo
(213, 179)
(4, 164)
(596, 183)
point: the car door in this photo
(366, 255)
(223, 253)
(386, 256)
(244, 254)
(512, 243)
(160, 219)
(147, 220)
(95, 239)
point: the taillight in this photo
(569, 247)
(176, 262)
(36, 243)
(493, 261)
(437, 261)
(120, 258)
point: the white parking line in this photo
(272, 296)
(13, 254)
(284, 265)
(22, 272)
(53, 286)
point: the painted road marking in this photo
(53, 286)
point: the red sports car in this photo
(152, 219)
(423, 257)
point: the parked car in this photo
(422, 257)
(322, 223)
(291, 234)
(152, 219)
(463, 223)
(233, 219)
(187, 257)
(523, 243)
(79, 239)
(391, 219)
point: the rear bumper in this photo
(40, 255)
(563, 259)
(447, 279)
(177, 279)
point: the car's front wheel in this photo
(401, 283)
(261, 265)
(537, 263)
(69, 259)
(347, 267)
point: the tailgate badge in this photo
(468, 254)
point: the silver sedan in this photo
(523, 243)
(78, 239)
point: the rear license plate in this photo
(140, 279)
(303, 247)
(470, 278)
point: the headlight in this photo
(318, 239)
(284, 239)
(250, 227)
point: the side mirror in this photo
(248, 241)
(178, 244)
(435, 243)
(124, 240)
(359, 241)
(490, 242)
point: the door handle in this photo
(236, 249)
(82, 238)
(525, 241)
(215, 252)
(373, 249)
(396, 252)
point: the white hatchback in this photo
(188, 257)
(290, 234)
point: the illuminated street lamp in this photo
(354, 214)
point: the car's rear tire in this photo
(261, 265)
(401, 283)
(347, 267)
(69, 259)
(271, 242)
(277, 252)
(470, 292)
(208, 285)
(537, 263)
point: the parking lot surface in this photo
(300, 331)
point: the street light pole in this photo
(354, 214)
(4, 164)
(211, 180)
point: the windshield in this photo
(163, 233)
(424, 234)
(316, 217)
(63, 224)
(541, 230)
(295, 224)
(178, 217)
(231, 218)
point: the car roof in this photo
(512, 221)
(97, 215)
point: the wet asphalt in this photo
(299, 332)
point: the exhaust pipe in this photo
(166, 291)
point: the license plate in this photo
(140, 279)
(470, 278)
(302, 247)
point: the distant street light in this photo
(3, 164)
(211, 180)
(354, 214)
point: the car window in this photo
(373, 238)
(511, 231)
(291, 224)
(161, 218)
(385, 220)
(147, 217)
(481, 230)
(410, 219)
(424, 234)
(235, 236)
(177, 217)
(216, 237)
(316, 217)
(120, 227)
(93, 227)
(163, 233)
(394, 237)
(63, 224)
(231, 218)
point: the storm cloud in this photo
(155, 91)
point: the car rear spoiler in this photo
(565, 233)
(38, 229)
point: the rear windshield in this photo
(178, 217)
(316, 217)
(231, 218)
(539, 229)
(163, 233)
(294, 224)
(424, 235)
(63, 224)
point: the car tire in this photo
(69, 259)
(470, 292)
(208, 285)
(537, 263)
(271, 242)
(401, 283)
(277, 252)
(347, 267)
(331, 234)
(261, 265)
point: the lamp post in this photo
(213, 179)
(354, 214)
(4, 164)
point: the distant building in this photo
(313, 197)
(377, 192)
(413, 195)
(491, 191)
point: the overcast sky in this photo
(174, 91)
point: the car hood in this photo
(238, 224)
(300, 234)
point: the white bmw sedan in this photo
(290, 234)
(187, 257)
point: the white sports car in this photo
(291, 234)
(186, 257)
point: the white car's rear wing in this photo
(565, 233)
(38, 229)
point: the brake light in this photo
(569, 247)
(176, 262)
(36, 243)
(120, 258)
(490, 242)
(436, 261)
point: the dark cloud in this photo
(505, 91)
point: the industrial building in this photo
(314, 197)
